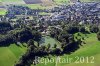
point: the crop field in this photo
(13, 1)
(35, 6)
(2, 11)
(61, 1)
(9, 55)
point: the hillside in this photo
(91, 48)
(70, 31)
(11, 54)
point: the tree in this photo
(94, 29)
(98, 35)
(56, 51)
(5, 27)
(36, 36)
(55, 45)
(30, 42)
(72, 29)
(48, 46)
(82, 29)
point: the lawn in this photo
(91, 48)
(9, 55)
(0, 0)
(2, 11)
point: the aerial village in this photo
(57, 31)
(77, 12)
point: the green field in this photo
(0, 0)
(9, 55)
(91, 48)
(35, 6)
(62, 1)
(2, 11)
(13, 2)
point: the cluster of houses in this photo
(79, 11)
(13, 10)
(23, 13)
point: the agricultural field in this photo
(62, 1)
(2, 11)
(9, 55)
(0, 0)
(35, 6)
(12, 53)
(13, 1)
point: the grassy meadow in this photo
(9, 55)
(13, 1)
(91, 48)
(2, 11)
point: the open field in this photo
(35, 6)
(61, 1)
(8, 55)
(91, 48)
(2, 11)
(13, 1)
